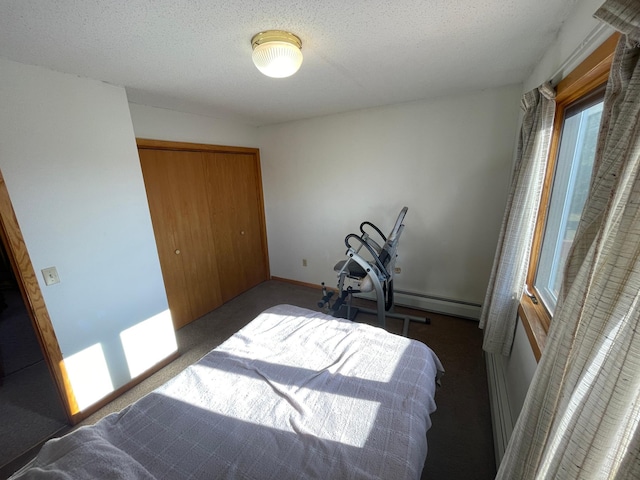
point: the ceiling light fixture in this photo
(276, 53)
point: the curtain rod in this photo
(598, 35)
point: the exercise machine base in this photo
(350, 313)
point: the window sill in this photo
(535, 320)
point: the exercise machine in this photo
(369, 266)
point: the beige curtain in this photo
(581, 417)
(506, 284)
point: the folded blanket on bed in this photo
(85, 454)
(294, 394)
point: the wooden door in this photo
(179, 207)
(235, 193)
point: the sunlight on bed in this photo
(293, 394)
(288, 408)
(341, 382)
(340, 345)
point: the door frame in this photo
(13, 241)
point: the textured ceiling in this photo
(195, 55)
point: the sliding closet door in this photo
(179, 207)
(235, 193)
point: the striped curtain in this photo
(506, 284)
(581, 417)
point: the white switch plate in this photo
(50, 276)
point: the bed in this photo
(294, 394)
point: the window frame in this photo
(591, 74)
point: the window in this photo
(578, 111)
(570, 186)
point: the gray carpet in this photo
(30, 409)
(19, 346)
(28, 414)
(460, 440)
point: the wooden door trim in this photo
(14, 243)
(263, 219)
(195, 147)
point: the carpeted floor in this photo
(19, 346)
(30, 409)
(460, 440)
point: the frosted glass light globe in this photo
(276, 53)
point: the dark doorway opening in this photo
(30, 408)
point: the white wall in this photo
(448, 160)
(163, 124)
(579, 36)
(69, 158)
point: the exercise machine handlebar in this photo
(362, 225)
(373, 253)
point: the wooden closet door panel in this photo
(198, 249)
(160, 193)
(238, 222)
(180, 215)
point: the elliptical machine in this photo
(358, 274)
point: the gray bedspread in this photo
(294, 394)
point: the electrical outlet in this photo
(50, 276)
(397, 270)
(304, 262)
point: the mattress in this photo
(294, 394)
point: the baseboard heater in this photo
(430, 303)
(500, 409)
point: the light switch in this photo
(50, 276)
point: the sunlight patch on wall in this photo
(89, 375)
(148, 342)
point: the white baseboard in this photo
(428, 303)
(438, 305)
(500, 408)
